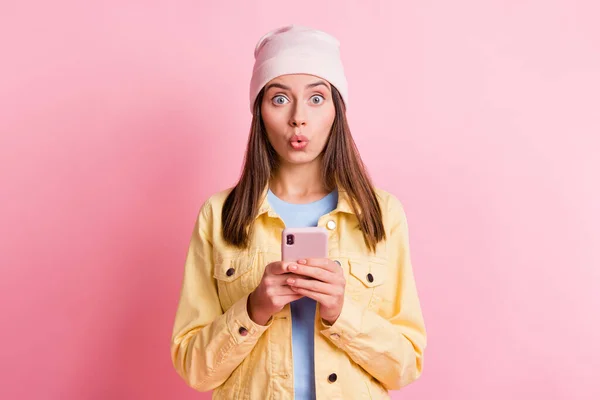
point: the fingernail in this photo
(292, 267)
(291, 281)
(301, 261)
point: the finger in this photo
(290, 298)
(282, 290)
(277, 284)
(279, 267)
(324, 263)
(281, 280)
(314, 272)
(316, 296)
(314, 285)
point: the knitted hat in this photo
(295, 49)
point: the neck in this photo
(298, 182)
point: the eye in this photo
(279, 99)
(319, 99)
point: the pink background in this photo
(118, 118)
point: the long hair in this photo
(342, 168)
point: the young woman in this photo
(252, 327)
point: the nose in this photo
(298, 117)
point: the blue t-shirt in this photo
(303, 310)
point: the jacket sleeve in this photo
(207, 344)
(390, 349)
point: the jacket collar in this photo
(343, 204)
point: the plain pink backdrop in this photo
(118, 118)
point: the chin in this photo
(299, 158)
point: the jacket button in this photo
(330, 225)
(230, 271)
(370, 277)
(332, 378)
(243, 331)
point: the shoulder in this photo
(212, 206)
(392, 209)
(217, 199)
(388, 201)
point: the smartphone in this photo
(299, 243)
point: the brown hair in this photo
(342, 168)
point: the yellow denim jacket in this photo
(376, 344)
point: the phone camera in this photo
(290, 240)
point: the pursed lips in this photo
(298, 142)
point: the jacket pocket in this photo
(234, 275)
(367, 275)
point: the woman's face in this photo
(298, 113)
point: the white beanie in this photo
(297, 49)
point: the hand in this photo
(272, 293)
(323, 281)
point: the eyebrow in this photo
(284, 87)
